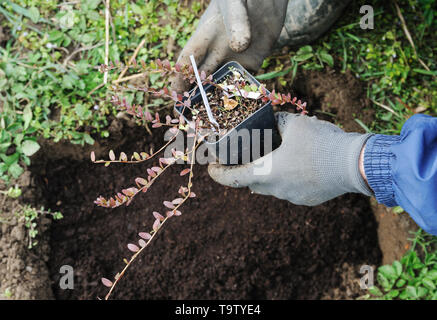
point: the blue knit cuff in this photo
(377, 166)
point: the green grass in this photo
(414, 277)
(383, 58)
(44, 89)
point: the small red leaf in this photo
(156, 225)
(151, 173)
(169, 214)
(142, 243)
(93, 156)
(141, 181)
(185, 171)
(106, 282)
(168, 204)
(158, 216)
(145, 235)
(133, 247)
(123, 156)
(177, 201)
(148, 116)
(192, 195)
(177, 213)
(111, 155)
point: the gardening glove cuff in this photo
(336, 163)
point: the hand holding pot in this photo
(241, 30)
(317, 161)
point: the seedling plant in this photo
(232, 100)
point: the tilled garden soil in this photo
(228, 243)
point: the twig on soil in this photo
(80, 50)
(134, 76)
(386, 107)
(408, 35)
(187, 196)
(95, 89)
(132, 59)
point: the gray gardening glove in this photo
(248, 30)
(317, 161)
(306, 21)
(241, 30)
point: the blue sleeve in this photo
(402, 170)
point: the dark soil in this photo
(23, 271)
(335, 97)
(226, 114)
(228, 244)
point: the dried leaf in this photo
(106, 282)
(229, 104)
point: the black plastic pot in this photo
(253, 138)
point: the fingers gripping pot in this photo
(254, 137)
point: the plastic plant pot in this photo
(252, 138)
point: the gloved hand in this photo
(317, 161)
(248, 30)
(241, 30)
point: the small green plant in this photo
(305, 57)
(12, 192)
(399, 74)
(7, 293)
(48, 86)
(413, 277)
(30, 217)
